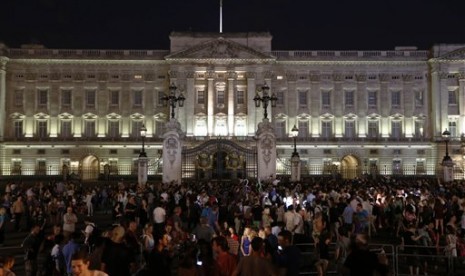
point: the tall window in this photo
(372, 99)
(113, 129)
(419, 98)
(396, 129)
(373, 129)
(303, 128)
(65, 129)
(19, 98)
(136, 126)
(42, 98)
(349, 129)
(66, 98)
(42, 129)
(453, 128)
(303, 98)
(18, 126)
(325, 99)
(240, 97)
(395, 99)
(326, 129)
(114, 98)
(418, 129)
(280, 129)
(349, 98)
(201, 97)
(90, 99)
(280, 96)
(89, 128)
(220, 97)
(137, 98)
(41, 168)
(452, 97)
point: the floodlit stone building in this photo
(375, 112)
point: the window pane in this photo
(220, 97)
(325, 99)
(90, 98)
(65, 129)
(349, 98)
(372, 99)
(453, 128)
(42, 129)
(18, 129)
(326, 129)
(42, 98)
(349, 129)
(396, 129)
(280, 96)
(395, 100)
(372, 129)
(113, 129)
(303, 98)
(137, 98)
(66, 98)
(114, 98)
(452, 97)
(200, 97)
(18, 98)
(240, 97)
(136, 126)
(303, 128)
(89, 129)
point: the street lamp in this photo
(143, 133)
(171, 99)
(295, 133)
(446, 137)
(266, 98)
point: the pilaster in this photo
(231, 77)
(2, 99)
(190, 103)
(211, 103)
(252, 111)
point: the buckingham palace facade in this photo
(370, 112)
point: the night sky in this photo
(294, 24)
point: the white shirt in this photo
(159, 215)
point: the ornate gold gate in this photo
(220, 160)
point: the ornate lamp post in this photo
(172, 99)
(295, 133)
(143, 162)
(266, 99)
(447, 162)
(295, 159)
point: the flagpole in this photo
(221, 16)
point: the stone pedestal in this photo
(142, 170)
(172, 149)
(295, 168)
(266, 150)
(448, 167)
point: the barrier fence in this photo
(429, 260)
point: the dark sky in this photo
(294, 24)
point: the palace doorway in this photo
(89, 168)
(350, 166)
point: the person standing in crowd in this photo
(226, 261)
(323, 254)
(159, 260)
(69, 249)
(2, 225)
(255, 264)
(69, 223)
(31, 246)
(8, 263)
(159, 217)
(288, 258)
(117, 258)
(361, 261)
(133, 243)
(18, 210)
(80, 265)
(203, 230)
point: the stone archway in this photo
(350, 166)
(89, 168)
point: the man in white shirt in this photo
(159, 217)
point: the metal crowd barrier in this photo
(309, 257)
(429, 259)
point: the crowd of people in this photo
(237, 228)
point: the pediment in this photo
(458, 54)
(220, 49)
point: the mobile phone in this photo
(199, 262)
(193, 238)
(280, 247)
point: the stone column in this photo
(461, 102)
(142, 170)
(295, 168)
(211, 102)
(266, 150)
(252, 111)
(2, 98)
(172, 149)
(231, 77)
(189, 103)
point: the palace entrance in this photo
(219, 160)
(89, 168)
(350, 166)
